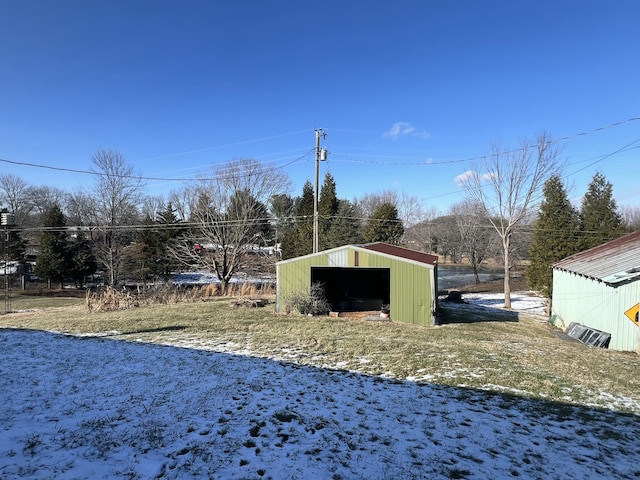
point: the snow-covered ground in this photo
(95, 407)
(525, 302)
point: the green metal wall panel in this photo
(412, 288)
(596, 305)
(295, 275)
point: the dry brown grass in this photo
(110, 299)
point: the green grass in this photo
(19, 301)
(521, 357)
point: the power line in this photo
(429, 163)
(138, 177)
(346, 156)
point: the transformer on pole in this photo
(321, 155)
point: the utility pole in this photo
(6, 220)
(321, 154)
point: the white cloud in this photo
(401, 129)
(461, 179)
(464, 177)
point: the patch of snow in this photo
(96, 407)
(527, 302)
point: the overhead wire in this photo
(345, 156)
(140, 177)
(431, 162)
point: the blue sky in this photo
(406, 91)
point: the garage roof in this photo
(401, 252)
(613, 262)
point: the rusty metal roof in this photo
(612, 262)
(402, 252)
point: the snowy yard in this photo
(95, 407)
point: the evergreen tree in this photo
(52, 257)
(599, 218)
(80, 260)
(166, 263)
(149, 257)
(555, 235)
(384, 225)
(298, 239)
(345, 229)
(246, 209)
(281, 208)
(327, 210)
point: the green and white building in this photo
(364, 278)
(600, 289)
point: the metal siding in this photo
(338, 258)
(295, 275)
(618, 258)
(413, 294)
(411, 286)
(595, 304)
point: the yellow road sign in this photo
(632, 313)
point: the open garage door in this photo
(354, 289)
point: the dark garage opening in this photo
(358, 289)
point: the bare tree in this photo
(476, 236)
(370, 202)
(631, 217)
(228, 216)
(15, 196)
(116, 196)
(153, 206)
(79, 207)
(420, 235)
(409, 207)
(43, 198)
(507, 185)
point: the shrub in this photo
(310, 302)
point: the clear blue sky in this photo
(406, 90)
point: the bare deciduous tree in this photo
(410, 208)
(15, 196)
(420, 235)
(44, 198)
(507, 185)
(79, 208)
(631, 217)
(228, 215)
(476, 236)
(116, 196)
(152, 207)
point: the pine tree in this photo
(599, 218)
(384, 225)
(149, 256)
(555, 235)
(52, 257)
(345, 228)
(327, 210)
(281, 208)
(80, 260)
(298, 239)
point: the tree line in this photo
(240, 208)
(214, 223)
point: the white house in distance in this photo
(600, 289)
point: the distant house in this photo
(364, 278)
(600, 288)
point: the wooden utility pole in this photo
(321, 154)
